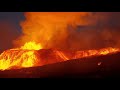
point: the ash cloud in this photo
(105, 32)
(88, 30)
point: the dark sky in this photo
(13, 17)
(9, 26)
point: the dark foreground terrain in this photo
(95, 67)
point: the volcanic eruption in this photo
(46, 40)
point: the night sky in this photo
(9, 28)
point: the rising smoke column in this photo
(50, 28)
(69, 30)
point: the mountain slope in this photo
(92, 67)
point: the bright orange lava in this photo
(28, 56)
(18, 58)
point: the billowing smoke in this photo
(71, 30)
(103, 33)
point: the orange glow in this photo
(45, 30)
(62, 55)
(44, 27)
(31, 46)
(104, 51)
(27, 57)
(17, 58)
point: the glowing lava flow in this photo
(62, 55)
(20, 58)
(88, 53)
(29, 56)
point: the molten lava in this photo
(31, 46)
(20, 57)
(32, 54)
(104, 51)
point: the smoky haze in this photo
(71, 30)
(105, 32)
(74, 31)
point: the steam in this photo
(71, 30)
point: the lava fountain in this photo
(28, 56)
(20, 57)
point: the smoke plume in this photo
(71, 30)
